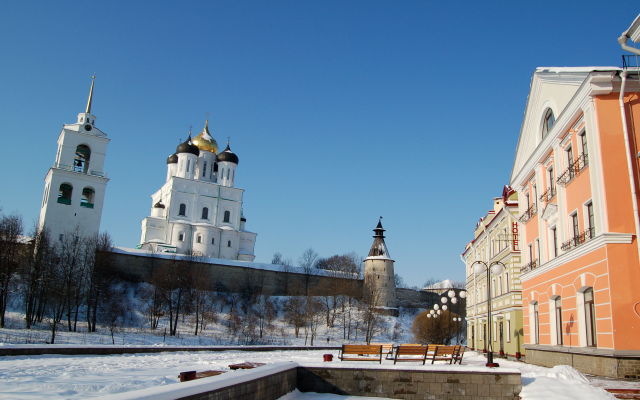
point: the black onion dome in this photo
(188, 147)
(158, 205)
(172, 159)
(228, 156)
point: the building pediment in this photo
(550, 213)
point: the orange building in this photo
(576, 172)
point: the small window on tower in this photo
(181, 237)
(229, 243)
(204, 170)
(205, 213)
(199, 239)
(213, 241)
(183, 210)
(188, 165)
(227, 216)
(64, 194)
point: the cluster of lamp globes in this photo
(437, 309)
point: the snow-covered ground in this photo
(79, 377)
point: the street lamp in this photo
(495, 268)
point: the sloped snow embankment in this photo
(559, 383)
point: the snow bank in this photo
(184, 389)
(297, 395)
(561, 382)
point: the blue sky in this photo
(340, 112)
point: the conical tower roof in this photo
(379, 247)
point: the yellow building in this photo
(496, 242)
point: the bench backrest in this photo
(431, 348)
(408, 350)
(385, 346)
(361, 349)
(445, 350)
(410, 344)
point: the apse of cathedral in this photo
(198, 208)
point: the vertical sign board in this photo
(514, 231)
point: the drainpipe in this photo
(630, 161)
(623, 43)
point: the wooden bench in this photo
(444, 353)
(415, 353)
(387, 348)
(192, 375)
(357, 352)
(246, 365)
(458, 357)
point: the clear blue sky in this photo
(339, 111)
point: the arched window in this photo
(558, 316)
(205, 213)
(181, 237)
(81, 161)
(213, 240)
(87, 197)
(227, 216)
(199, 239)
(547, 123)
(64, 194)
(204, 169)
(183, 210)
(229, 243)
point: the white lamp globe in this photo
(478, 269)
(436, 307)
(444, 300)
(435, 315)
(454, 300)
(463, 294)
(444, 307)
(496, 269)
(428, 315)
(452, 293)
(432, 312)
(439, 312)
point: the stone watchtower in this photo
(379, 277)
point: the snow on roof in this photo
(575, 69)
(236, 263)
(446, 284)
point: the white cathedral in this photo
(198, 208)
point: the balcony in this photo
(529, 267)
(548, 195)
(62, 200)
(72, 169)
(529, 213)
(573, 170)
(579, 240)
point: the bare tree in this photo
(33, 273)
(98, 276)
(372, 323)
(308, 263)
(200, 285)
(11, 230)
(434, 330)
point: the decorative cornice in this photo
(549, 212)
(593, 244)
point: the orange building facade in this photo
(576, 172)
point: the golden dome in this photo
(205, 141)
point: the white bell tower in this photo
(75, 185)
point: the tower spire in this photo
(90, 96)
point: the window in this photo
(585, 150)
(229, 243)
(530, 252)
(590, 316)
(538, 250)
(61, 237)
(87, 198)
(183, 210)
(222, 174)
(547, 124)
(591, 220)
(188, 165)
(204, 169)
(181, 237)
(213, 241)
(199, 239)
(64, 194)
(576, 228)
(572, 172)
(227, 216)
(536, 322)
(554, 236)
(552, 181)
(506, 281)
(205, 213)
(228, 171)
(233, 175)
(559, 320)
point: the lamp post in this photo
(495, 268)
(458, 320)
